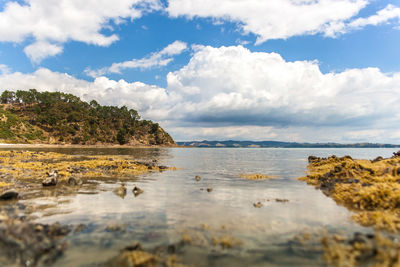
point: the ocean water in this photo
(174, 205)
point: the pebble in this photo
(137, 191)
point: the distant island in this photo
(32, 117)
(277, 144)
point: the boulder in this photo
(51, 179)
(9, 195)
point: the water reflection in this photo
(174, 204)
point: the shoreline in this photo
(6, 145)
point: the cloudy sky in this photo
(290, 70)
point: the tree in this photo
(121, 136)
(7, 97)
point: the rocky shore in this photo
(25, 175)
(370, 189)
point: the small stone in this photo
(209, 190)
(137, 191)
(9, 195)
(120, 191)
(52, 179)
(257, 205)
(283, 200)
(198, 178)
(73, 181)
(115, 227)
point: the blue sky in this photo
(324, 70)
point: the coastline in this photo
(7, 145)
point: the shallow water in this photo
(174, 204)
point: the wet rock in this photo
(312, 159)
(9, 195)
(115, 227)
(198, 178)
(51, 179)
(137, 191)
(73, 181)
(120, 191)
(28, 244)
(135, 258)
(209, 190)
(282, 200)
(79, 228)
(379, 158)
(257, 205)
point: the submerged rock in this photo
(137, 191)
(29, 244)
(9, 195)
(74, 181)
(51, 179)
(257, 205)
(120, 191)
(209, 190)
(198, 178)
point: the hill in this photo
(256, 144)
(59, 118)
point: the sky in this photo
(287, 70)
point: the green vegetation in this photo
(59, 118)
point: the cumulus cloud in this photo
(137, 95)
(272, 19)
(231, 92)
(40, 50)
(232, 85)
(161, 58)
(52, 23)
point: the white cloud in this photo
(143, 97)
(52, 23)
(272, 19)
(161, 58)
(231, 86)
(40, 50)
(4, 69)
(389, 15)
(231, 92)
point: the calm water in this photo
(174, 204)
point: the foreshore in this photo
(6, 145)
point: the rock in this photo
(137, 257)
(51, 179)
(73, 181)
(137, 191)
(209, 190)
(379, 158)
(79, 228)
(283, 200)
(31, 244)
(115, 227)
(162, 167)
(257, 205)
(120, 191)
(198, 178)
(9, 195)
(312, 159)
